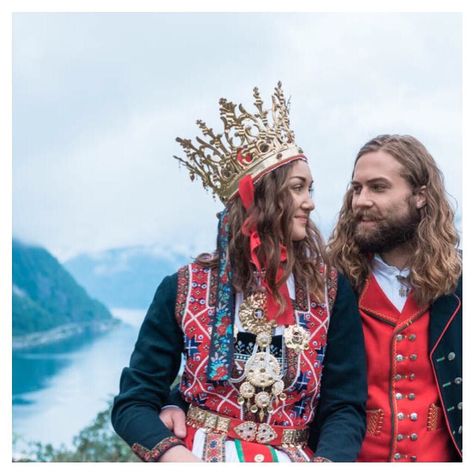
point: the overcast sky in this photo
(100, 98)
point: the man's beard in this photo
(388, 234)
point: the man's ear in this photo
(420, 197)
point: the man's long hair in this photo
(435, 263)
(272, 213)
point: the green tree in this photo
(97, 442)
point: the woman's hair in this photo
(272, 213)
(435, 262)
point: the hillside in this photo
(47, 299)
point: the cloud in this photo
(99, 100)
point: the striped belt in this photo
(262, 433)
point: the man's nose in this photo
(362, 199)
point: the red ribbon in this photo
(247, 194)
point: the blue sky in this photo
(98, 100)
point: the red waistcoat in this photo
(195, 310)
(405, 422)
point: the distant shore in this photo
(61, 333)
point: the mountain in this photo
(47, 303)
(125, 277)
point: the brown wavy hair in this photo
(436, 262)
(272, 213)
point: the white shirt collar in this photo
(390, 271)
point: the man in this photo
(396, 242)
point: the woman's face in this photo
(300, 184)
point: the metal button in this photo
(259, 458)
(411, 396)
(413, 357)
(398, 377)
(397, 456)
(401, 416)
(460, 406)
(399, 337)
(400, 437)
(451, 356)
(412, 458)
(399, 358)
(412, 337)
(398, 396)
(413, 436)
(413, 416)
(457, 380)
(411, 376)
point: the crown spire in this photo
(249, 145)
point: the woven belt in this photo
(262, 433)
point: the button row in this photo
(401, 357)
(401, 437)
(399, 377)
(412, 416)
(398, 456)
(410, 396)
(400, 337)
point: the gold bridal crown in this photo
(249, 145)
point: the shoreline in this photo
(61, 333)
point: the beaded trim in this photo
(182, 293)
(375, 421)
(154, 454)
(294, 453)
(321, 459)
(434, 417)
(332, 287)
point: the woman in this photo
(274, 356)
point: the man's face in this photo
(385, 213)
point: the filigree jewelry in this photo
(297, 338)
(263, 377)
(252, 314)
(404, 288)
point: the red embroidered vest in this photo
(195, 310)
(405, 422)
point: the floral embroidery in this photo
(219, 368)
(214, 447)
(302, 374)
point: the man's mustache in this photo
(360, 215)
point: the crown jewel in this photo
(249, 145)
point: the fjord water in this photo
(58, 389)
